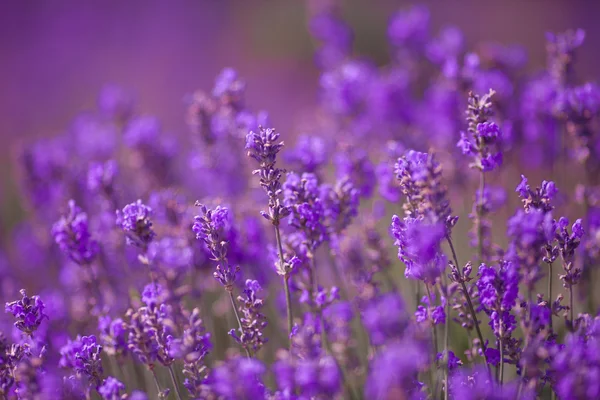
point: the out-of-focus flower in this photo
(72, 234)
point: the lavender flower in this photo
(419, 247)
(393, 373)
(561, 49)
(240, 378)
(540, 198)
(29, 312)
(101, 177)
(567, 245)
(253, 321)
(111, 388)
(151, 327)
(310, 153)
(419, 175)
(385, 318)
(263, 147)
(301, 195)
(72, 235)
(135, 221)
(82, 356)
(212, 226)
(193, 347)
(485, 137)
(113, 336)
(529, 233)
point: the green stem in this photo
(446, 339)
(550, 291)
(470, 304)
(479, 209)
(151, 368)
(286, 285)
(174, 381)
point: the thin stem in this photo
(288, 304)
(435, 337)
(174, 381)
(479, 209)
(550, 291)
(286, 286)
(501, 345)
(432, 371)
(571, 305)
(446, 339)
(237, 317)
(470, 304)
(151, 368)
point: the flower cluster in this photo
(503, 307)
(72, 234)
(28, 312)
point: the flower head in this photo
(71, 233)
(29, 312)
(135, 221)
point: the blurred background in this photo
(55, 56)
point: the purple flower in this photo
(143, 131)
(28, 312)
(213, 227)
(111, 388)
(82, 356)
(251, 335)
(301, 196)
(229, 88)
(483, 140)
(345, 89)
(264, 147)
(101, 177)
(353, 164)
(72, 235)
(529, 232)
(153, 295)
(476, 384)
(239, 378)
(193, 347)
(393, 373)
(310, 153)
(409, 28)
(419, 247)
(385, 318)
(135, 221)
(540, 198)
(113, 335)
(419, 175)
(453, 361)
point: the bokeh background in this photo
(56, 55)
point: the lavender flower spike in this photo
(135, 221)
(71, 233)
(210, 227)
(263, 147)
(29, 312)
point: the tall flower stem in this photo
(151, 368)
(550, 291)
(446, 338)
(286, 286)
(432, 371)
(237, 317)
(501, 346)
(479, 209)
(469, 303)
(571, 313)
(174, 381)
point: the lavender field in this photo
(394, 203)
